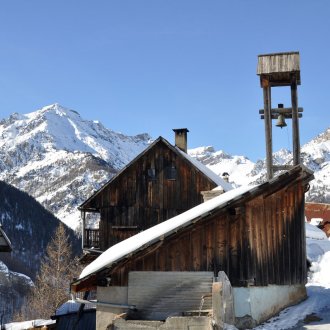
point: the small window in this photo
(171, 172)
(152, 174)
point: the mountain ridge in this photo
(61, 159)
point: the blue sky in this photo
(150, 65)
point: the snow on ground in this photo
(28, 324)
(318, 288)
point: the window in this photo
(171, 172)
(152, 174)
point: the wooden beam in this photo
(282, 167)
(281, 110)
(295, 122)
(83, 238)
(268, 128)
(286, 116)
(86, 284)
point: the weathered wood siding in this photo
(258, 242)
(136, 201)
(279, 62)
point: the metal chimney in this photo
(181, 138)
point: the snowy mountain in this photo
(239, 168)
(60, 159)
(315, 155)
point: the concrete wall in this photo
(106, 314)
(172, 323)
(158, 295)
(254, 305)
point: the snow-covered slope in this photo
(317, 303)
(238, 167)
(315, 155)
(60, 158)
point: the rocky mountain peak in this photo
(56, 156)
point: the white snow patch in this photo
(19, 227)
(28, 324)
(318, 301)
(316, 221)
(3, 268)
(321, 271)
(313, 232)
(72, 306)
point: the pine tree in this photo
(53, 280)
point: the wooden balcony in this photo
(91, 238)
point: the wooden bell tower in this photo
(277, 70)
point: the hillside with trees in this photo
(52, 284)
(30, 227)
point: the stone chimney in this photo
(209, 194)
(181, 138)
(225, 176)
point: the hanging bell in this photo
(281, 121)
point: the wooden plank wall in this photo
(285, 62)
(136, 200)
(258, 243)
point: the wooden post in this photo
(83, 213)
(268, 128)
(295, 122)
(280, 69)
(217, 305)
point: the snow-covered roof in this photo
(72, 306)
(147, 237)
(150, 236)
(32, 324)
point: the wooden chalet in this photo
(160, 183)
(5, 245)
(256, 235)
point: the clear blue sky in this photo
(150, 65)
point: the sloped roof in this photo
(5, 245)
(152, 235)
(148, 236)
(201, 167)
